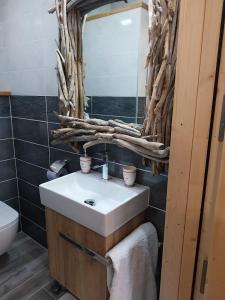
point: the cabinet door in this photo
(83, 276)
(77, 271)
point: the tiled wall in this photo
(127, 109)
(8, 177)
(33, 119)
(33, 156)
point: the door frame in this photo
(197, 55)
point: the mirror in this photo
(115, 43)
(110, 45)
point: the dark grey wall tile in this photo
(8, 189)
(158, 187)
(110, 117)
(30, 107)
(7, 169)
(14, 203)
(6, 149)
(4, 107)
(116, 170)
(157, 218)
(140, 121)
(94, 151)
(73, 159)
(115, 106)
(29, 192)
(158, 193)
(34, 231)
(32, 174)
(32, 153)
(5, 128)
(52, 106)
(141, 106)
(32, 131)
(124, 156)
(32, 212)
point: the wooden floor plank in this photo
(29, 287)
(54, 294)
(41, 295)
(20, 275)
(9, 264)
(24, 271)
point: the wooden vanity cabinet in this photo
(77, 271)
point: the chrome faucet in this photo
(105, 166)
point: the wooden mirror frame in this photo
(150, 140)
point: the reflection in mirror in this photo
(115, 47)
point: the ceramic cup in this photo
(129, 175)
(85, 164)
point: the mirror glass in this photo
(115, 41)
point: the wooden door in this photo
(197, 56)
(210, 276)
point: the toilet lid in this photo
(8, 215)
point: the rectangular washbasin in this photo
(101, 205)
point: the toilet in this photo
(9, 219)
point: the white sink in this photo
(115, 204)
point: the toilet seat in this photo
(8, 216)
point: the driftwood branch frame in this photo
(150, 140)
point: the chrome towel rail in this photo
(86, 250)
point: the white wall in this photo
(27, 47)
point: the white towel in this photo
(131, 275)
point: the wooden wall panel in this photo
(211, 34)
(196, 65)
(213, 226)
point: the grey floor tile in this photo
(26, 257)
(41, 295)
(20, 275)
(29, 287)
(54, 295)
(24, 271)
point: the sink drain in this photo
(90, 202)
